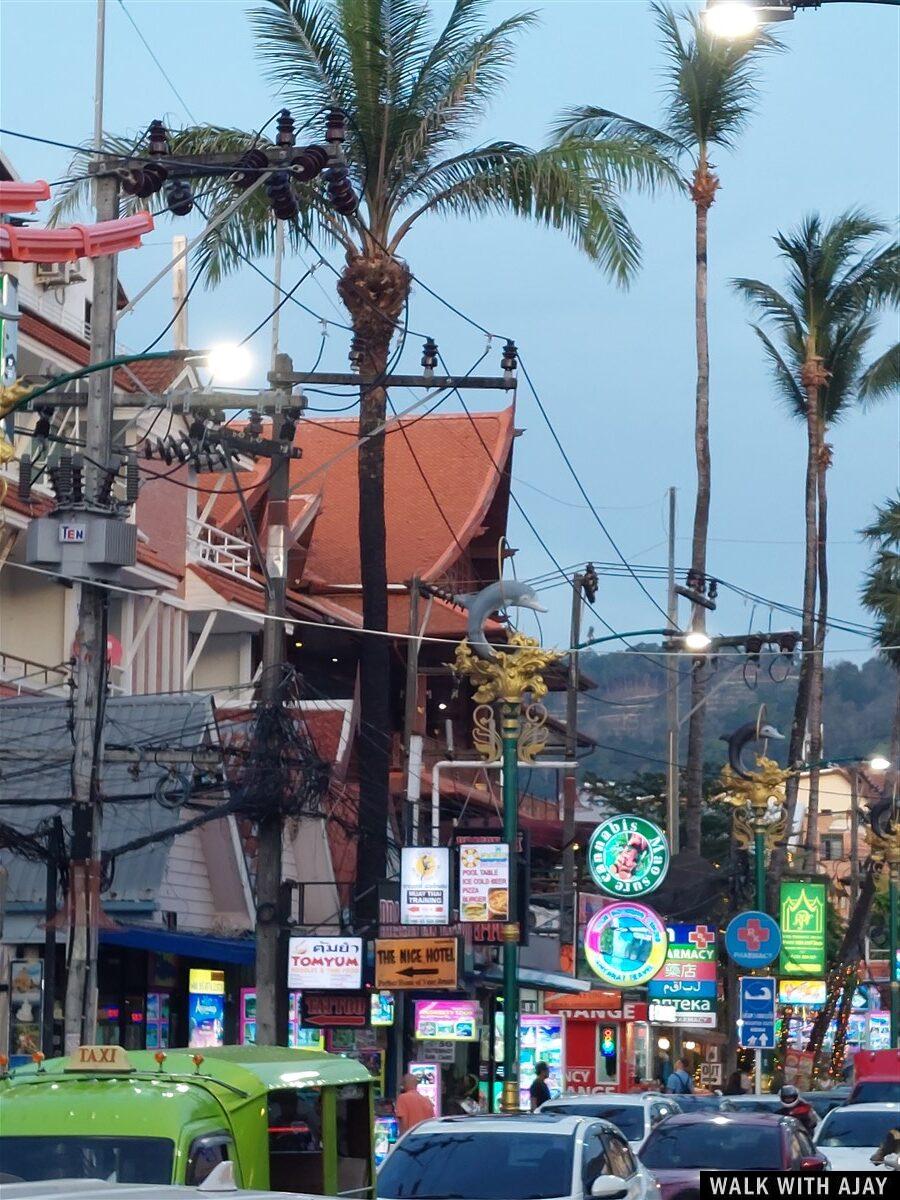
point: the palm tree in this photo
(413, 98)
(711, 91)
(881, 589)
(840, 275)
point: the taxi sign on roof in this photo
(99, 1058)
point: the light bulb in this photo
(696, 639)
(879, 763)
(731, 19)
(229, 364)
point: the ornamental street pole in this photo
(506, 677)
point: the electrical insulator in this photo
(164, 451)
(145, 181)
(251, 164)
(356, 354)
(132, 481)
(340, 189)
(309, 162)
(43, 424)
(24, 488)
(510, 359)
(285, 135)
(77, 480)
(753, 645)
(179, 198)
(288, 428)
(157, 139)
(255, 424)
(196, 429)
(713, 589)
(105, 487)
(62, 479)
(336, 129)
(429, 354)
(590, 582)
(281, 196)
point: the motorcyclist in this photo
(792, 1105)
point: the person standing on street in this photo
(540, 1093)
(679, 1082)
(411, 1107)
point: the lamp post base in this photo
(509, 1101)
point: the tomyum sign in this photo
(325, 963)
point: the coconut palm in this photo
(881, 589)
(413, 96)
(712, 89)
(817, 335)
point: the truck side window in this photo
(353, 1140)
(296, 1157)
(205, 1154)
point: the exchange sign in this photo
(625, 944)
(628, 856)
(802, 928)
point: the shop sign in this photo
(625, 944)
(429, 1077)
(799, 992)
(417, 963)
(448, 1020)
(753, 939)
(689, 974)
(798, 1066)
(693, 1014)
(483, 881)
(206, 983)
(710, 1074)
(382, 1009)
(440, 1052)
(628, 856)
(323, 1010)
(424, 885)
(26, 990)
(582, 1081)
(325, 963)
(802, 928)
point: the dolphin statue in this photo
(506, 593)
(753, 731)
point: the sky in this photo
(614, 369)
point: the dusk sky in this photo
(614, 369)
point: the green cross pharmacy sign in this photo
(802, 929)
(628, 856)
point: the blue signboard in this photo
(756, 1024)
(753, 939)
(659, 989)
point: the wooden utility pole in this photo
(90, 664)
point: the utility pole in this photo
(271, 987)
(90, 663)
(672, 779)
(568, 916)
(412, 736)
(55, 847)
(854, 838)
(180, 291)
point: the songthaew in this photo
(294, 1120)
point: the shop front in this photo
(606, 1043)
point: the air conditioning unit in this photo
(56, 274)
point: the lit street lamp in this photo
(731, 19)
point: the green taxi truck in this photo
(289, 1120)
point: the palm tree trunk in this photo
(817, 696)
(895, 730)
(802, 704)
(703, 192)
(374, 289)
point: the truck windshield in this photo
(115, 1159)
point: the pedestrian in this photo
(890, 1145)
(467, 1101)
(540, 1093)
(735, 1084)
(679, 1082)
(792, 1105)
(411, 1107)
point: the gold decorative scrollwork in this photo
(534, 732)
(485, 737)
(758, 801)
(510, 674)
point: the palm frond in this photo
(784, 378)
(303, 52)
(771, 305)
(588, 122)
(882, 377)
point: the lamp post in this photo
(885, 848)
(505, 679)
(731, 19)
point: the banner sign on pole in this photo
(756, 1024)
(802, 928)
(753, 939)
(424, 885)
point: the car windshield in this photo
(884, 1091)
(695, 1103)
(486, 1166)
(714, 1146)
(844, 1127)
(750, 1104)
(116, 1159)
(628, 1118)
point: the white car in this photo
(633, 1115)
(527, 1156)
(851, 1134)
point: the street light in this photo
(229, 364)
(734, 19)
(879, 763)
(696, 639)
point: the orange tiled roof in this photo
(425, 534)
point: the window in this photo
(353, 1139)
(621, 1160)
(88, 307)
(795, 1148)
(627, 1118)
(296, 1162)
(730, 1146)
(205, 1155)
(593, 1160)
(117, 1159)
(832, 847)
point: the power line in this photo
(162, 69)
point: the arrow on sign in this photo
(409, 972)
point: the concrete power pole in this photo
(672, 779)
(90, 664)
(568, 918)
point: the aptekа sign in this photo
(685, 990)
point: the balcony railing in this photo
(23, 675)
(223, 551)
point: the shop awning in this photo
(601, 999)
(187, 945)
(548, 981)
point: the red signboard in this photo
(331, 1009)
